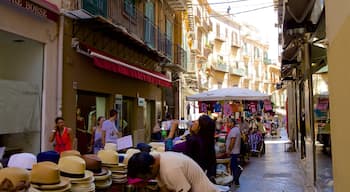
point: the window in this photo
(129, 8)
(149, 24)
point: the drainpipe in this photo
(60, 67)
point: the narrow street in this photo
(276, 171)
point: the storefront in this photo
(96, 80)
(28, 74)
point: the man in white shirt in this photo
(233, 147)
(173, 171)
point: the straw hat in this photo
(108, 157)
(103, 184)
(110, 146)
(73, 167)
(103, 177)
(94, 164)
(46, 176)
(70, 153)
(22, 160)
(14, 178)
(129, 153)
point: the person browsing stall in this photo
(61, 136)
(233, 147)
(173, 171)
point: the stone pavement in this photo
(276, 171)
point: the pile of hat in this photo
(44, 174)
(73, 167)
(103, 176)
(110, 160)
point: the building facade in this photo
(124, 55)
(30, 59)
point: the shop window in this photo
(21, 77)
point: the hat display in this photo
(14, 179)
(52, 156)
(110, 146)
(102, 176)
(108, 157)
(22, 160)
(73, 168)
(70, 153)
(119, 174)
(45, 176)
(129, 153)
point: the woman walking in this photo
(96, 139)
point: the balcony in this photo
(208, 49)
(237, 71)
(220, 37)
(196, 46)
(177, 5)
(235, 44)
(267, 61)
(221, 66)
(122, 20)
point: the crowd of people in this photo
(190, 154)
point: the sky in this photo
(259, 13)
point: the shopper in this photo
(233, 146)
(173, 171)
(61, 136)
(96, 139)
(110, 133)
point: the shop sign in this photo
(36, 9)
(141, 102)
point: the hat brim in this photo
(87, 177)
(103, 177)
(104, 185)
(64, 182)
(104, 171)
(67, 188)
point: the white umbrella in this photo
(228, 94)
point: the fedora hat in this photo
(108, 157)
(52, 156)
(94, 164)
(46, 176)
(110, 146)
(22, 160)
(70, 153)
(15, 179)
(129, 153)
(73, 167)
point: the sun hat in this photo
(73, 167)
(110, 146)
(15, 178)
(22, 160)
(94, 164)
(103, 184)
(70, 153)
(46, 176)
(52, 156)
(128, 155)
(108, 157)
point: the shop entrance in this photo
(89, 106)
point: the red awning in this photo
(117, 66)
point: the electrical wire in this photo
(242, 12)
(219, 3)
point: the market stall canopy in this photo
(227, 94)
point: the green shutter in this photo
(96, 7)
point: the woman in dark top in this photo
(200, 145)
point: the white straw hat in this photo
(22, 160)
